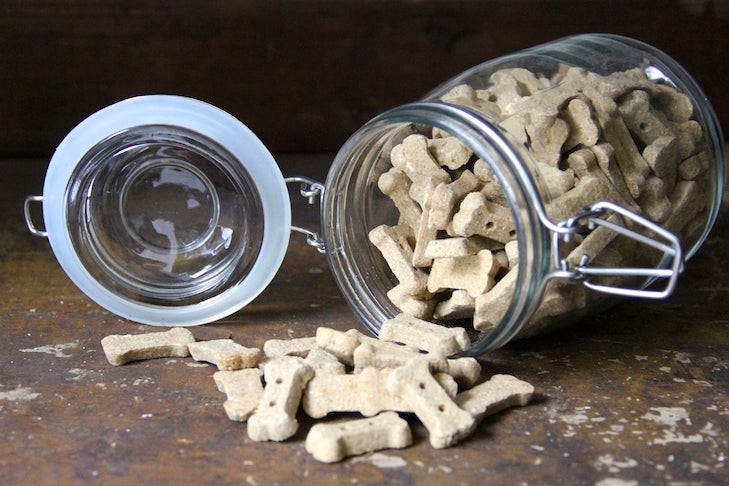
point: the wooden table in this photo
(636, 395)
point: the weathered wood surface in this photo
(303, 74)
(639, 393)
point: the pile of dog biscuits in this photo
(622, 138)
(348, 374)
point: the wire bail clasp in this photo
(34, 230)
(669, 267)
(312, 191)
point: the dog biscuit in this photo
(364, 392)
(494, 395)
(425, 335)
(226, 354)
(275, 348)
(121, 349)
(338, 343)
(243, 389)
(332, 442)
(323, 361)
(275, 417)
(446, 422)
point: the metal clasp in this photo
(29, 218)
(312, 191)
(669, 267)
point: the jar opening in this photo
(367, 218)
(164, 215)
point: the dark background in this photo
(302, 74)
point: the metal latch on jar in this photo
(654, 236)
(27, 211)
(312, 191)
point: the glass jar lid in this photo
(166, 210)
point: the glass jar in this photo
(549, 180)
(516, 197)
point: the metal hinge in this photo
(313, 191)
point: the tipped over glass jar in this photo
(519, 196)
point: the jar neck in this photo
(512, 168)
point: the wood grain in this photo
(639, 393)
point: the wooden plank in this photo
(639, 392)
(302, 74)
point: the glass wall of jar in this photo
(527, 191)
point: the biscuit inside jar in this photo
(452, 248)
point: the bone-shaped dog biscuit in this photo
(321, 360)
(529, 82)
(364, 392)
(617, 84)
(587, 191)
(383, 354)
(332, 442)
(557, 181)
(465, 371)
(687, 201)
(676, 106)
(690, 137)
(479, 216)
(394, 247)
(275, 417)
(449, 152)
(446, 197)
(386, 355)
(413, 158)
(491, 187)
(473, 273)
(338, 343)
(462, 94)
(425, 335)
(414, 306)
(663, 157)
(506, 90)
(243, 389)
(226, 354)
(459, 306)
(275, 348)
(605, 156)
(642, 120)
(396, 185)
(494, 395)
(691, 168)
(583, 128)
(445, 421)
(511, 249)
(424, 235)
(654, 200)
(544, 133)
(491, 306)
(121, 349)
(453, 247)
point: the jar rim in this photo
(188, 116)
(488, 142)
